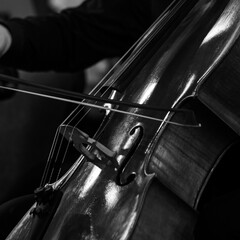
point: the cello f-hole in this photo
(125, 174)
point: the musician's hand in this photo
(5, 40)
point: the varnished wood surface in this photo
(164, 216)
(184, 157)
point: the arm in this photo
(78, 37)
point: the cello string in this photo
(151, 32)
(143, 38)
(85, 114)
(68, 122)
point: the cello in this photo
(143, 174)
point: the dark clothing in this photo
(79, 37)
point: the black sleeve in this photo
(78, 37)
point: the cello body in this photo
(151, 185)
